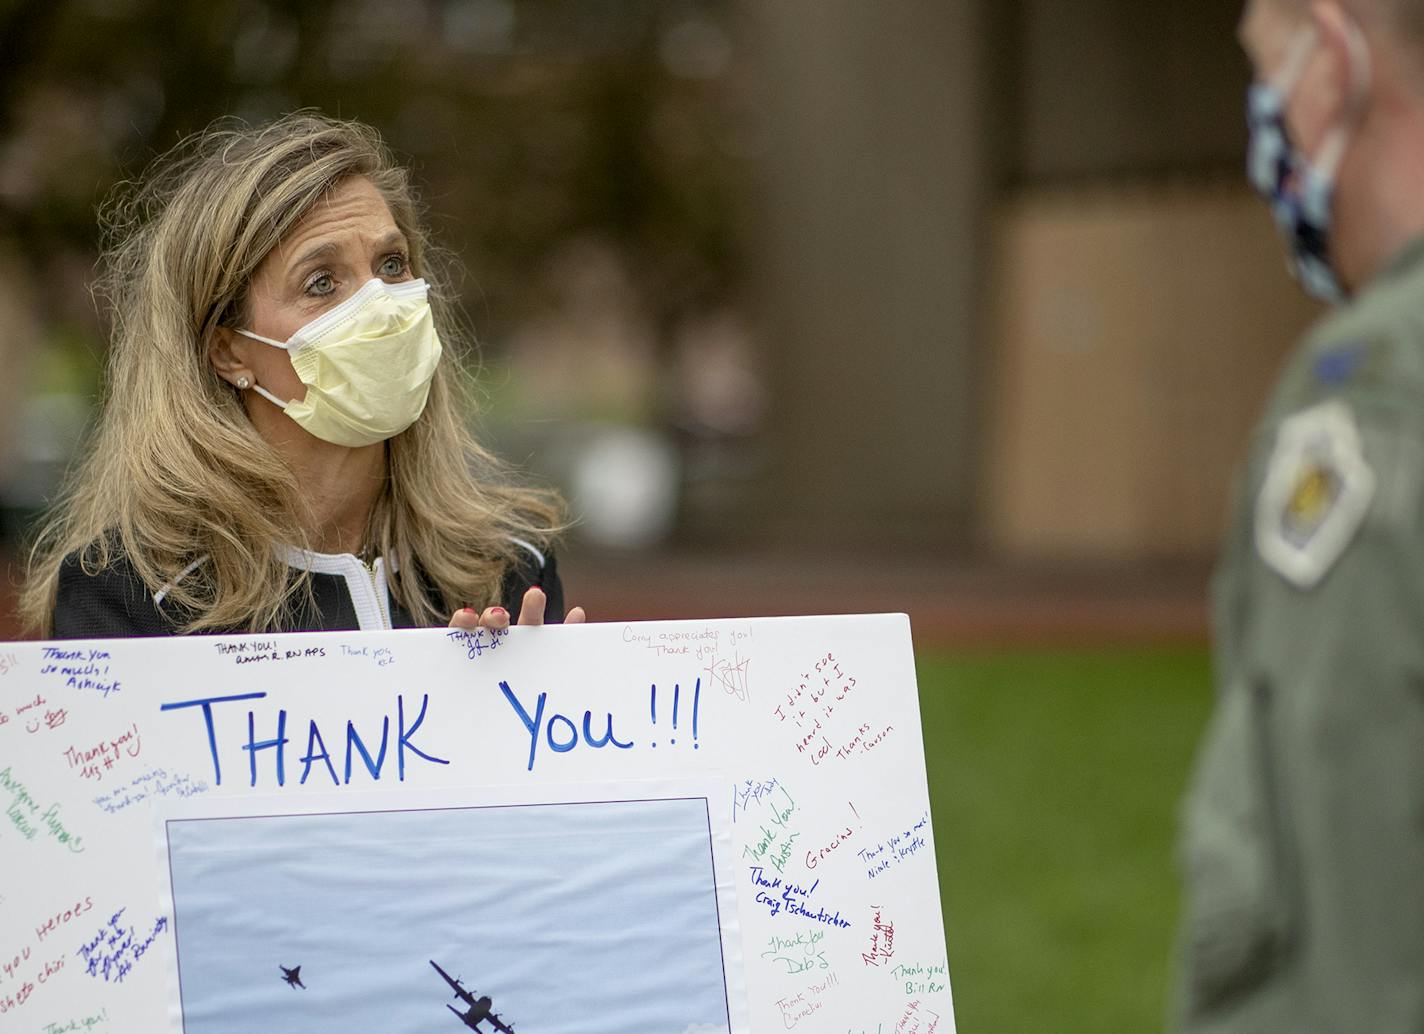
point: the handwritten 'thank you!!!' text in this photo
(561, 732)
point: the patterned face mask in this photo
(1301, 193)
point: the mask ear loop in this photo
(269, 396)
(1332, 150)
(266, 340)
(257, 387)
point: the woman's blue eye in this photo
(394, 265)
(320, 284)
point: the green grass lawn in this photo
(1055, 779)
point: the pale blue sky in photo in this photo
(575, 918)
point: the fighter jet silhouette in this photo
(479, 1008)
(293, 977)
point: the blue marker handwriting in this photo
(83, 669)
(566, 738)
(111, 954)
(380, 656)
(477, 641)
(788, 898)
(889, 853)
(562, 734)
(156, 782)
(317, 756)
(749, 793)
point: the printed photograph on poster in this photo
(608, 913)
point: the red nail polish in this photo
(497, 610)
(539, 587)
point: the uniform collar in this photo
(1406, 260)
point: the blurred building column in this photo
(19, 345)
(869, 265)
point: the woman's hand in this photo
(531, 612)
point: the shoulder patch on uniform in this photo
(1338, 364)
(1317, 491)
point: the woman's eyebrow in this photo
(391, 239)
(317, 252)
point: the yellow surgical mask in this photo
(367, 364)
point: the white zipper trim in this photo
(367, 585)
(370, 594)
(543, 563)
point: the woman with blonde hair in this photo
(282, 445)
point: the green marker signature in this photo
(23, 813)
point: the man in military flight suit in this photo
(1304, 827)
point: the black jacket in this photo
(346, 595)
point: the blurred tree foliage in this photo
(527, 122)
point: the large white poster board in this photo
(667, 827)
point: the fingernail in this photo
(497, 610)
(539, 587)
(466, 610)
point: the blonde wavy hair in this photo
(176, 473)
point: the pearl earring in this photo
(243, 384)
